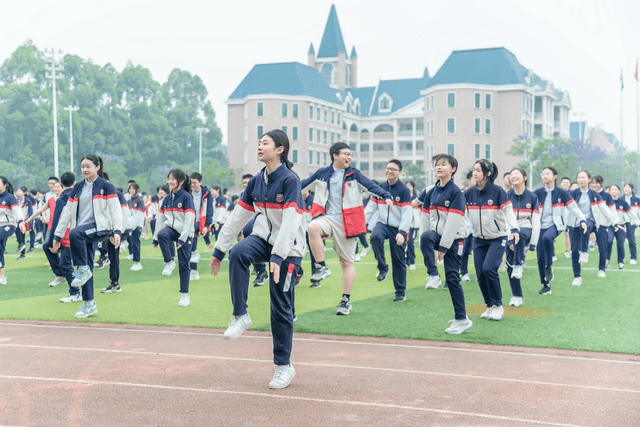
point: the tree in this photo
(415, 173)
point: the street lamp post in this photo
(201, 131)
(71, 109)
(55, 66)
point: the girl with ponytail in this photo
(11, 217)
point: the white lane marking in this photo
(317, 340)
(2, 340)
(299, 398)
(323, 365)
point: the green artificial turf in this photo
(600, 315)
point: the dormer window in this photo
(384, 103)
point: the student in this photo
(27, 211)
(203, 205)
(624, 215)
(11, 217)
(415, 227)
(597, 215)
(362, 239)
(445, 229)
(634, 202)
(57, 190)
(552, 201)
(175, 226)
(307, 203)
(605, 235)
(338, 214)
(112, 251)
(494, 223)
(259, 269)
(93, 214)
(136, 212)
(274, 194)
(392, 225)
(565, 184)
(468, 241)
(525, 208)
(220, 210)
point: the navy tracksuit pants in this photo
(134, 243)
(254, 249)
(60, 264)
(602, 240)
(611, 234)
(579, 243)
(411, 248)
(114, 262)
(166, 239)
(487, 257)
(631, 236)
(620, 235)
(20, 237)
(194, 246)
(259, 267)
(429, 242)
(545, 250)
(5, 232)
(81, 240)
(380, 233)
(516, 257)
(464, 262)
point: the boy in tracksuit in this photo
(27, 211)
(113, 252)
(203, 205)
(137, 214)
(393, 225)
(338, 213)
(220, 210)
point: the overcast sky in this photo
(581, 45)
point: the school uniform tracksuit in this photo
(624, 215)
(634, 202)
(60, 262)
(525, 208)
(204, 218)
(27, 211)
(413, 233)
(10, 216)
(136, 211)
(219, 214)
(388, 226)
(443, 219)
(275, 202)
(112, 251)
(491, 214)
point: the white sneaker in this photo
(621, 265)
(364, 252)
(466, 278)
(56, 281)
(584, 258)
(184, 300)
(497, 313)
(517, 271)
(567, 254)
(486, 313)
(433, 282)
(554, 259)
(602, 274)
(195, 257)
(129, 257)
(357, 258)
(237, 325)
(633, 262)
(412, 267)
(136, 266)
(168, 268)
(194, 275)
(577, 281)
(459, 326)
(515, 301)
(440, 262)
(72, 298)
(282, 377)
(3, 280)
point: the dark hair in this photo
(469, 175)
(281, 140)
(335, 149)
(105, 176)
(565, 177)
(7, 184)
(522, 172)
(130, 181)
(614, 185)
(246, 175)
(234, 198)
(632, 187)
(225, 191)
(215, 187)
(23, 189)
(396, 162)
(599, 179)
(489, 169)
(67, 179)
(584, 171)
(55, 178)
(180, 176)
(555, 172)
(196, 176)
(413, 186)
(450, 159)
(507, 174)
(120, 189)
(163, 187)
(96, 160)
(135, 186)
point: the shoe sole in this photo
(230, 337)
(84, 316)
(273, 387)
(458, 332)
(343, 313)
(74, 285)
(321, 277)
(315, 285)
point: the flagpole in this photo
(621, 129)
(638, 121)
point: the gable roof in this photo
(290, 78)
(332, 42)
(402, 92)
(365, 95)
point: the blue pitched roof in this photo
(353, 52)
(365, 95)
(577, 130)
(494, 66)
(403, 92)
(312, 51)
(539, 82)
(332, 42)
(291, 78)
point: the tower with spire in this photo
(339, 71)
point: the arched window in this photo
(353, 128)
(384, 104)
(327, 72)
(364, 131)
(383, 128)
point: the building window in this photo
(325, 137)
(451, 100)
(384, 104)
(311, 157)
(338, 119)
(294, 110)
(318, 136)
(310, 112)
(285, 109)
(379, 166)
(310, 135)
(294, 156)
(318, 158)
(260, 132)
(333, 136)
(364, 147)
(364, 166)
(333, 117)
(260, 111)
(487, 126)
(451, 125)
(487, 101)
(477, 100)
(476, 151)
(325, 158)
(476, 126)
(451, 149)
(318, 116)
(285, 130)
(487, 151)
(325, 116)
(294, 133)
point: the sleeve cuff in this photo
(217, 253)
(117, 232)
(532, 247)
(154, 242)
(442, 249)
(515, 230)
(277, 259)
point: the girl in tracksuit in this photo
(624, 215)
(552, 201)
(220, 210)
(112, 251)
(605, 235)
(27, 211)
(93, 213)
(11, 217)
(597, 215)
(274, 197)
(174, 227)
(634, 202)
(415, 226)
(494, 223)
(445, 228)
(525, 208)
(137, 214)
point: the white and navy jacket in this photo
(126, 217)
(525, 208)
(204, 218)
(10, 211)
(353, 217)
(176, 212)
(402, 215)
(106, 209)
(490, 211)
(443, 211)
(154, 206)
(611, 204)
(275, 200)
(220, 211)
(634, 202)
(560, 199)
(602, 214)
(416, 223)
(136, 212)
(624, 213)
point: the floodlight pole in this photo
(201, 131)
(55, 66)
(71, 109)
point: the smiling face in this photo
(89, 169)
(267, 150)
(478, 175)
(392, 172)
(196, 185)
(565, 184)
(342, 160)
(444, 170)
(173, 183)
(583, 180)
(57, 189)
(628, 191)
(614, 190)
(548, 177)
(595, 185)
(516, 177)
